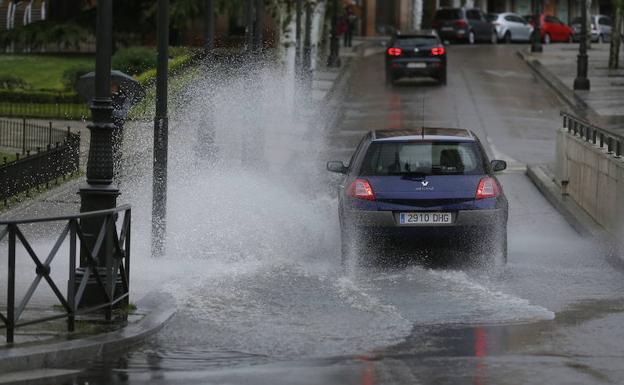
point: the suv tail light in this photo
(393, 51)
(437, 51)
(461, 24)
(488, 188)
(361, 189)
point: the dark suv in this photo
(419, 53)
(464, 24)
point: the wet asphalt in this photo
(552, 315)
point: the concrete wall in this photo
(593, 178)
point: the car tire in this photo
(601, 39)
(442, 78)
(507, 37)
(570, 38)
(471, 37)
(547, 39)
(494, 37)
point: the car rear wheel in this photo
(494, 37)
(442, 78)
(600, 39)
(547, 39)
(471, 37)
(507, 37)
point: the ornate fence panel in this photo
(34, 170)
(117, 266)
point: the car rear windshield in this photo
(422, 158)
(448, 14)
(416, 41)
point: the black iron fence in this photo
(34, 170)
(27, 136)
(590, 133)
(69, 111)
(106, 278)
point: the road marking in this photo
(508, 74)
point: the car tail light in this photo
(488, 188)
(437, 51)
(393, 51)
(461, 24)
(361, 189)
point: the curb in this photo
(574, 214)
(158, 309)
(568, 96)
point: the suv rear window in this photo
(448, 14)
(411, 41)
(422, 158)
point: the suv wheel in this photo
(442, 77)
(389, 78)
(547, 39)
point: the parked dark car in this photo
(601, 27)
(419, 53)
(552, 29)
(413, 187)
(464, 25)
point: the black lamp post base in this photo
(581, 84)
(333, 61)
(93, 294)
(537, 49)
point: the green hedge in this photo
(36, 97)
(176, 64)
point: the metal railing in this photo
(26, 136)
(34, 170)
(601, 137)
(106, 279)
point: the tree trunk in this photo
(616, 35)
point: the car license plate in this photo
(416, 65)
(425, 218)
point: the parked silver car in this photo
(600, 28)
(510, 27)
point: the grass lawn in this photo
(10, 157)
(42, 71)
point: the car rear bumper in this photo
(453, 35)
(387, 222)
(401, 68)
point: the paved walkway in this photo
(604, 102)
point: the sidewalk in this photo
(151, 313)
(603, 104)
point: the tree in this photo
(616, 34)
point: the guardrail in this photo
(117, 266)
(34, 170)
(590, 133)
(29, 136)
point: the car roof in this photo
(422, 32)
(424, 134)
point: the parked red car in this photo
(552, 29)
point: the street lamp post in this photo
(249, 16)
(209, 27)
(99, 193)
(536, 41)
(307, 46)
(582, 82)
(161, 134)
(334, 46)
(258, 26)
(298, 12)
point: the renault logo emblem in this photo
(415, 49)
(425, 183)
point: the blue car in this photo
(419, 188)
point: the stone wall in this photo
(593, 178)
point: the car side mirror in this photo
(498, 165)
(337, 166)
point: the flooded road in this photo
(253, 254)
